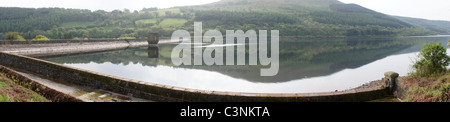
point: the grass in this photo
(126, 37)
(110, 27)
(146, 21)
(433, 89)
(3, 83)
(388, 99)
(11, 90)
(4, 99)
(166, 23)
(172, 22)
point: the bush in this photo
(11, 36)
(20, 38)
(40, 38)
(432, 60)
(14, 36)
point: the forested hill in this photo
(442, 27)
(307, 3)
(325, 18)
(304, 18)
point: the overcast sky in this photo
(427, 9)
(107, 5)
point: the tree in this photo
(12, 36)
(433, 60)
(126, 11)
(20, 38)
(68, 36)
(40, 38)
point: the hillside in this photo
(323, 4)
(324, 18)
(55, 23)
(300, 18)
(442, 27)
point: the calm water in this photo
(306, 65)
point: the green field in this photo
(172, 22)
(162, 12)
(169, 22)
(110, 27)
(146, 21)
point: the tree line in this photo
(339, 21)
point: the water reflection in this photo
(306, 65)
(153, 52)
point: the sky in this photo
(107, 5)
(426, 9)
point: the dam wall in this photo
(163, 93)
(69, 47)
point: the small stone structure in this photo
(67, 47)
(153, 52)
(63, 48)
(390, 80)
(153, 39)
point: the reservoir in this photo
(305, 65)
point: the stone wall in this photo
(54, 41)
(158, 92)
(395, 85)
(29, 42)
(68, 47)
(49, 93)
(400, 89)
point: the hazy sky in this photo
(107, 5)
(427, 9)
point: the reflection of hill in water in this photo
(298, 59)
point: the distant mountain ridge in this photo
(327, 18)
(297, 2)
(440, 26)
